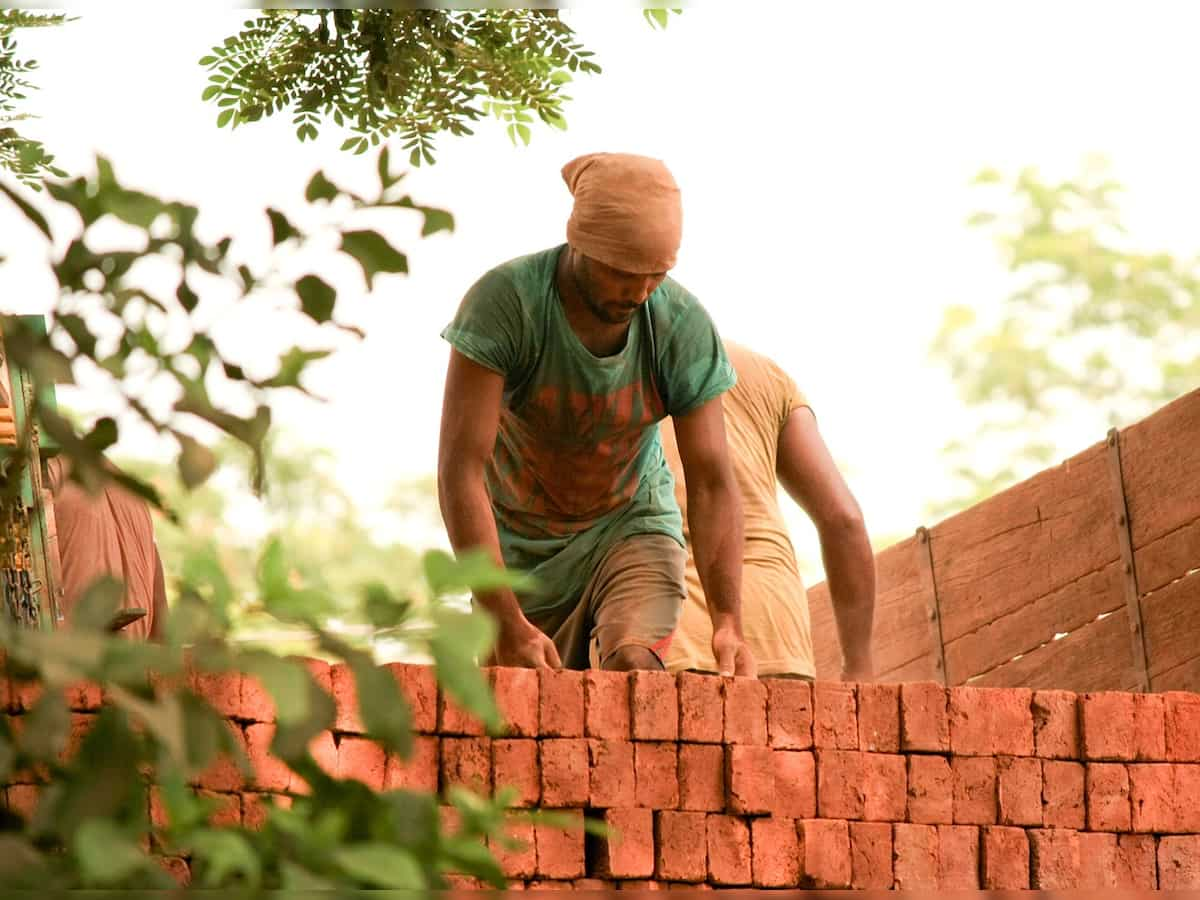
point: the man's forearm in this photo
(467, 512)
(715, 524)
(850, 574)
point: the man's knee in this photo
(631, 657)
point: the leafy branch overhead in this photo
(162, 335)
(27, 159)
(381, 73)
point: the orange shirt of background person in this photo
(772, 434)
(108, 533)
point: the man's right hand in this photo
(522, 645)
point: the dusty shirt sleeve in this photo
(693, 361)
(491, 326)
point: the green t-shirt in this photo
(578, 465)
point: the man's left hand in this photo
(732, 654)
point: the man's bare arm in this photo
(470, 418)
(808, 473)
(715, 524)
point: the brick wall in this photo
(734, 783)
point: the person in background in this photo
(108, 533)
(562, 364)
(772, 434)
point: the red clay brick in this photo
(789, 713)
(656, 775)
(750, 779)
(255, 807)
(362, 760)
(1055, 725)
(561, 703)
(467, 761)
(825, 849)
(606, 704)
(1149, 744)
(516, 849)
(540, 884)
(1106, 787)
(1179, 863)
(1106, 725)
(1054, 858)
(924, 718)
(1019, 790)
(629, 853)
(885, 787)
(83, 696)
(1117, 861)
(226, 808)
(795, 784)
(22, 799)
(1182, 726)
(654, 706)
(680, 839)
(220, 690)
(1187, 798)
(930, 790)
(840, 784)
(515, 764)
(641, 884)
(420, 771)
(1152, 797)
(1136, 863)
(453, 719)
(565, 764)
(915, 857)
(701, 777)
(745, 705)
(560, 851)
(879, 717)
(775, 852)
(974, 790)
(1004, 859)
(270, 772)
(418, 685)
(612, 774)
(591, 884)
(1062, 794)
(728, 841)
(701, 708)
(345, 700)
(517, 697)
(958, 857)
(871, 855)
(835, 719)
(991, 721)
(223, 773)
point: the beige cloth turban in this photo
(627, 211)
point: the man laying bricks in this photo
(562, 364)
(772, 431)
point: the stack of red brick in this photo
(731, 782)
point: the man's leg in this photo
(635, 600)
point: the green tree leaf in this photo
(106, 853)
(320, 188)
(317, 298)
(374, 254)
(381, 865)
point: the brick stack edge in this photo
(713, 782)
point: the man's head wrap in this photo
(627, 211)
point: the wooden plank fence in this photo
(1085, 577)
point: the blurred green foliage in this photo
(1094, 330)
(26, 158)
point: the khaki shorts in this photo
(633, 600)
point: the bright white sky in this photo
(824, 152)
